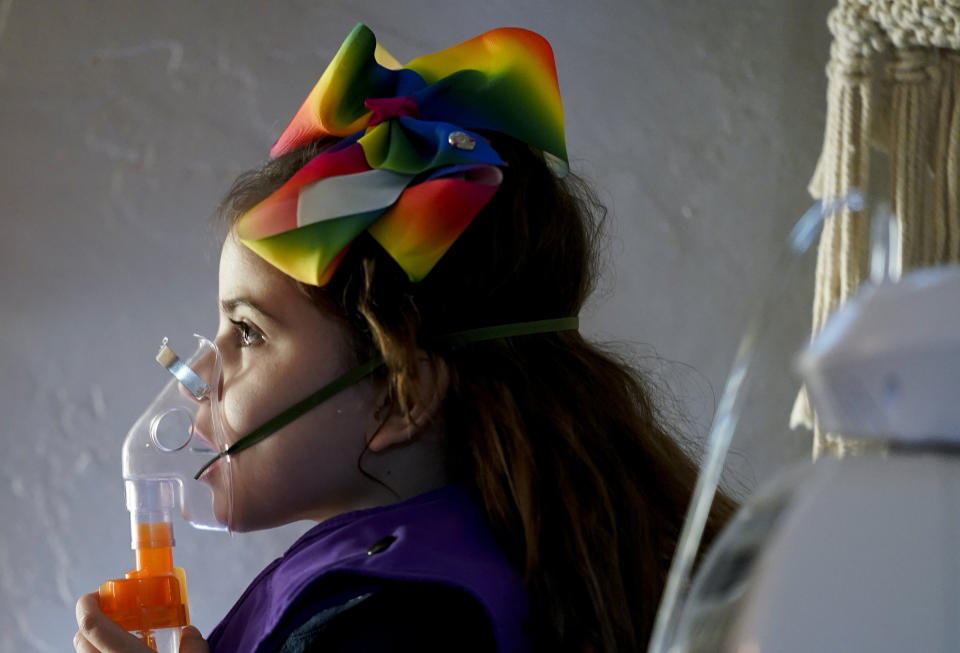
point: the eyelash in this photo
(249, 337)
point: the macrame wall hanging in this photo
(893, 131)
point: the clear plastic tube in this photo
(729, 410)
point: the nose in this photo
(186, 392)
(204, 364)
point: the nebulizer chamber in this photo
(161, 454)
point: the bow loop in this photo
(504, 80)
(336, 106)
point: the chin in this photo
(244, 524)
(221, 502)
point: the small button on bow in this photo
(381, 545)
(461, 141)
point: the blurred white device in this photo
(860, 553)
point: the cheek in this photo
(260, 388)
(266, 385)
(239, 413)
(315, 456)
(248, 400)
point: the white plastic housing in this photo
(866, 560)
(887, 363)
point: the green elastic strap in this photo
(452, 340)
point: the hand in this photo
(98, 634)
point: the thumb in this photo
(191, 641)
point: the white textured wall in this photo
(122, 123)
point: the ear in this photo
(399, 429)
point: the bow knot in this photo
(390, 107)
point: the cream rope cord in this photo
(893, 86)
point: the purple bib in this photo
(441, 537)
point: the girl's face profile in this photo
(277, 348)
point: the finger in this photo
(81, 645)
(191, 641)
(85, 605)
(100, 631)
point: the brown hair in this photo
(559, 439)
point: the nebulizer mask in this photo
(181, 430)
(178, 434)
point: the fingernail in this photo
(190, 631)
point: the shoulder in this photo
(396, 616)
(421, 574)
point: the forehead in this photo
(244, 275)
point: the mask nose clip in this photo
(190, 380)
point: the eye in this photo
(248, 335)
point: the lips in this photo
(204, 477)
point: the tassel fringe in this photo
(893, 86)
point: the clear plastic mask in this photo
(166, 447)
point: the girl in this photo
(483, 478)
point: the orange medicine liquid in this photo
(151, 601)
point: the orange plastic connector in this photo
(152, 596)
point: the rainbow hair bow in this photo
(410, 167)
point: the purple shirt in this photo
(441, 537)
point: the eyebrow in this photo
(228, 305)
